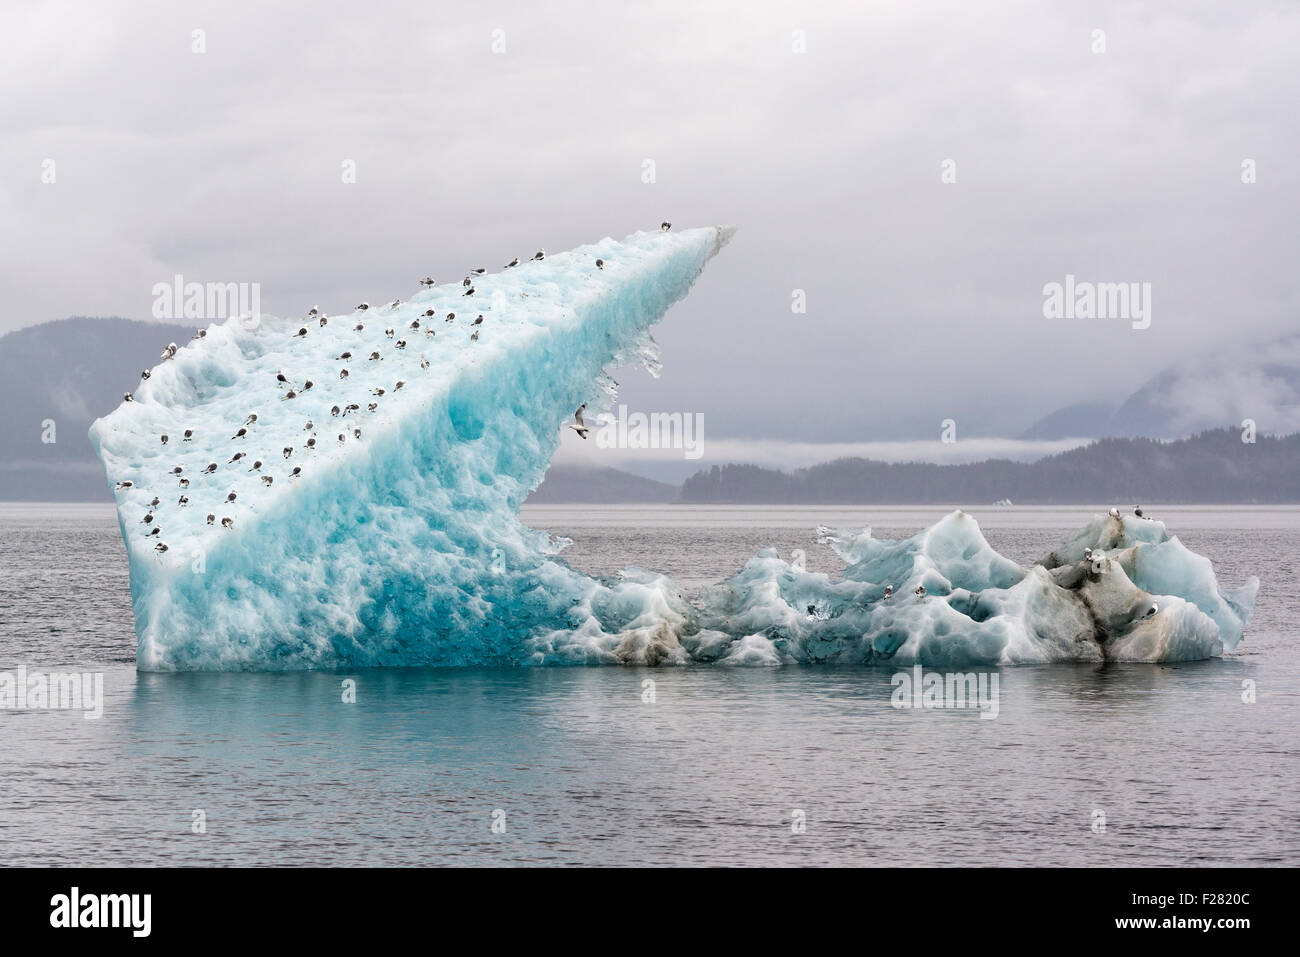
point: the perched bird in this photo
(1114, 513)
(374, 355)
(539, 255)
(468, 292)
(287, 451)
(665, 226)
(231, 497)
(344, 373)
(227, 522)
(889, 591)
(257, 465)
(424, 363)
(427, 281)
(372, 406)
(358, 327)
(313, 310)
(267, 480)
(147, 519)
(169, 352)
(323, 322)
(389, 332)
(466, 282)
(451, 317)
(235, 458)
(154, 503)
(160, 547)
(127, 397)
(252, 417)
(177, 471)
(427, 314)
(189, 434)
(183, 501)
(296, 472)
(1137, 510)
(376, 391)
(212, 467)
(211, 518)
(309, 426)
(144, 375)
(280, 378)
(291, 394)
(920, 591)
(311, 444)
(513, 262)
(153, 531)
(239, 435)
(415, 324)
(474, 337)
(394, 304)
(122, 485)
(478, 321)
(577, 424)
(1087, 554)
(356, 433)
(600, 264)
(164, 439)
(185, 483)
(362, 307)
(1155, 607)
(301, 333)
(401, 343)
(478, 272)
(334, 410)
(344, 355)
(342, 438)
(400, 383)
(306, 386)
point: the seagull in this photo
(280, 378)
(156, 530)
(212, 467)
(466, 282)
(236, 457)
(296, 472)
(394, 304)
(665, 226)
(301, 333)
(600, 264)
(256, 465)
(127, 397)
(401, 343)
(154, 503)
(252, 417)
(468, 292)
(427, 314)
(343, 373)
(513, 262)
(415, 324)
(147, 519)
(227, 522)
(889, 590)
(239, 435)
(200, 334)
(231, 497)
(372, 406)
(177, 471)
(400, 383)
(334, 410)
(169, 352)
(539, 255)
(342, 438)
(211, 518)
(1137, 510)
(309, 426)
(287, 451)
(307, 385)
(451, 316)
(356, 433)
(1087, 554)
(362, 307)
(358, 327)
(374, 355)
(291, 394)
(160, 547)
(376, 391)
(183, 501)
(314, 310)
(424, 363)
(478, 272)
(122, 485)
(144, 375)
(1114, 513)
(344, 355)
(185, 483)
(164, 439)
(267, 480)
(427, 281)
(920, 591)
(1155, 607)
(389, 332)
(311, 444)
(189, 434)
(323, 321)
(474, 338)
(577, 424)
(478, 321)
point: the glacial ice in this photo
(403, 546)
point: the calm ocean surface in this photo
(581, 771)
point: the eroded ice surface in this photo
(403, 546)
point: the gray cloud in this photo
(924, 299)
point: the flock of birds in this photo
(294, 391)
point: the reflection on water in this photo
(587, 771)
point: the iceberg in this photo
(371, 518)
(344, 492)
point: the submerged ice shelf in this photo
(399, 442)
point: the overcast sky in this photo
(924, 298)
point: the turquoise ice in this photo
(402, 545)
